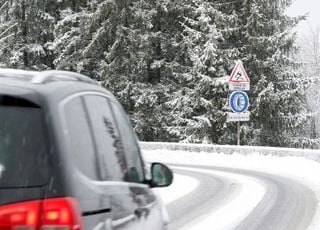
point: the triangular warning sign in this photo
(239, 74)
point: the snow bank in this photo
(232, 149)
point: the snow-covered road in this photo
(241, 192)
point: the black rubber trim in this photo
(89, 213)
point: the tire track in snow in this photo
(286, 204)
(211, 192)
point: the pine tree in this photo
(262, 37)
(27, 29)
(197, 104)
(7, 32)
(133, 64)
(70, 35)
(168, 61)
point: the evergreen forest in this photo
(168, 62)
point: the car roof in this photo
(51, 83)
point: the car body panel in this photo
(105, 205)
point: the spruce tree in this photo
(198, 101)
(261, 36)
(70, 35)
(168, 61)
(133, 62)
(27, 29)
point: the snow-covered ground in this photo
(305, 171)
(182, 185)
(236, 208)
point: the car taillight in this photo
(49, 214)
(61, 214)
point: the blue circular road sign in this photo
(239, 102)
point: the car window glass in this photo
(109, 145)
(129, 139)
(23, 149)
(79, 136)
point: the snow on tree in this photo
(26, 28)
(123, 50)
(168, 61)
(197, 103)
(70, 35)
(262, 34)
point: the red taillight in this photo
(24, 215)
(61, 212)
(53, 214)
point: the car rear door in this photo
(133, 204)
(109, 178)
(149, 212)
(112, 165)
(84, 165)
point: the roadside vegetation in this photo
(168, 62)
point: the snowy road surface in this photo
(221, 201)
(242, 193)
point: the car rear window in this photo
(22, 144)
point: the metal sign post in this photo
(238, 132)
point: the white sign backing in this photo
(239, 79)
(238, 117)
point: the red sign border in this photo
(239, 64)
